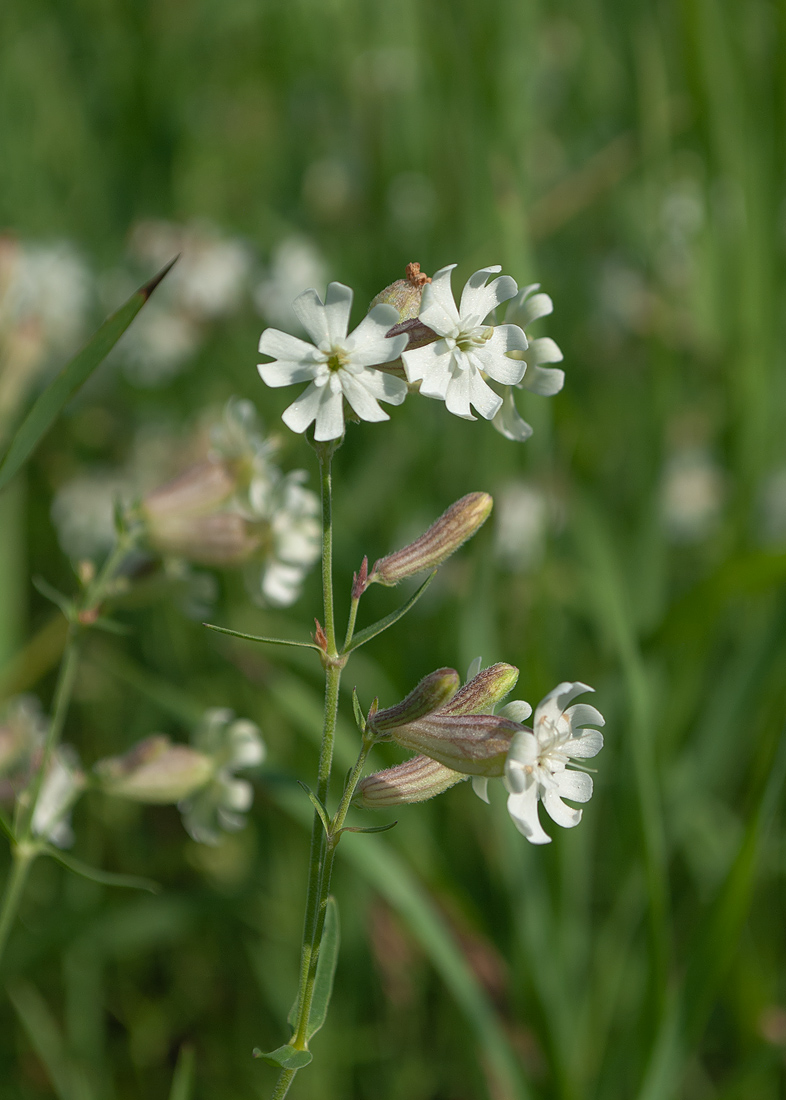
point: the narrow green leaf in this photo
(285, 1057)
(74, 374)
(369, 828)
(183, 1079)
(326, 968)
(44, 1035)
(359, 716)
(57, 598)
(257, 638)
(370, 632)
(324, 817)
(106, 878)
(5, 826)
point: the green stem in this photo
(23, 856)
(285, 1079)
(353, 614)
(325, 453)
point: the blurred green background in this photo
(628, 157)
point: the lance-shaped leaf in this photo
(259, 638)
(74, 374)
(285, 1057)
(105, 878)
(443, 538)
(370, 632)
(326, 969)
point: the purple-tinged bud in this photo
(443, 538)
(416, 780)
(482, 693)
(474, 744)
(432, 692)
(155, 770)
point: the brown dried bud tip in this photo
(416, 780)
(443, 538)
(319, 636)
(360, 580)
(415, 276)
(432, 692)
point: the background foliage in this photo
(628, 158)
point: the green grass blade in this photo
(41, 1029)
(183, 1079)
(74, 374)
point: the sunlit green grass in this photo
(629, 158)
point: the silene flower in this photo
(541, 762)
(339, 367)
(454, 369)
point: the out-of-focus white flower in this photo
(522, 512)
(47, 286)
(772, 508)
(233, 744)
(338, 366)
(294, 515)
(537, 768)
(157, 346)
(296, 265)
(83, 512)
(692, 491)
(23, 728)
(526, 307)
(62, 786)
(453, 368)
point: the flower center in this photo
(337, 360)
(474, 338)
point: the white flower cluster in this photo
(455, 363)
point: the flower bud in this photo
(405, 294)
(432, 692)
(443, 538)
(416, 780)
(474, 744)
(155, 770)
(483, 692)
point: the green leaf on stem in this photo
(50, 593)
(369, 828)
(359, 716)
(74, 374)
(370, 632)
(5, 826)
(285, 1057)
(326, 968)
(324, 817)
(257, 638)
(105, 878)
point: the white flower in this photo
(233, 744)
(452, 369)
(294, 514)
(525, 308)
(62, 785)
(537, 764)
(337, 365)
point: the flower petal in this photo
(545, 381)
(543, 350)
(509, 423)
(437, 307)
(310, 311)
(494, 359)
(482, 397)
(364, 404)
(280, 345)
(285, 373)
(369, 344)
(517, 711)
(480, 785)
(588, 743)
(523, 808)
(309, 406)
(582, 714)
(563, 815)
(338, 303)
(574, 785)
(437, 374)
(524, 310)
(478, 300)
(385, 387)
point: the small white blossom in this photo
(691, 494)
(337, 365)
(537, 765)
(62, 785)
(453, 369)
(525, 308)
(218, 807)
(295, 265)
